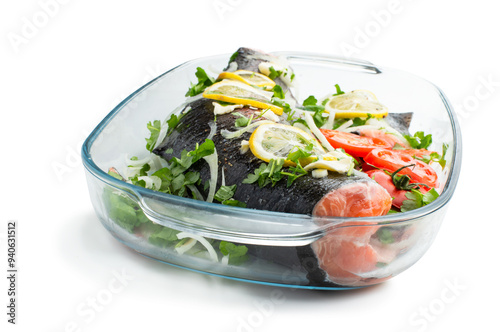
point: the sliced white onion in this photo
(186, 246)
(270, 115)
(196, 192)
(223, 181)
(233, 134)
(345, 126)
(152, 182)
(212, 161)
(317, 132)
(213, 129)
(331, 119)
(225, 260)
(303, 127)
(203, 241)
(138, 162)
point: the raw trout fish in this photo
(341, 254)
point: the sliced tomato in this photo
(355, 145)
(420, 153)
(390, 139)
(392, 160)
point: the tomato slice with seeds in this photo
(355, 145)
(391, 139)
(392, 160)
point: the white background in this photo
(61, 78)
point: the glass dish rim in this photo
(140, 193)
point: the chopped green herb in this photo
(204, 81)
(385, 235)
(233, 56)
(267, 173)
(274, 73)
(164, 237)
(234, 202)
(155, 129)
(242, 121)
(416, 199)
(339, 91)
(436, 157)
(225, 193)
(278, 92)
(311, 100)
(237, 253)
(419, 140)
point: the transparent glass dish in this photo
(279, 244)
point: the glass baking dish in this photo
(280, 245)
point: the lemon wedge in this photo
(274, 141)
(357, 103)
(249, 77)
(236, 92)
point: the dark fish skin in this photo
(300, 198)
(400, 121)
(249, 59)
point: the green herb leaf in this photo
(154, 129)
(419, 140)
(267, 173)
(416, 199)
(278, 92)
(164, 237)
(204, 81)
(242, 121)
(225, 192)
(233, 202)
(311, 100)
(274, 73)
(339, 91)
(237, 253)
(233, 56)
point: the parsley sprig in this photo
(204, 81)
(419, 140)
(436, 157)
(416, 199)
(273, 172)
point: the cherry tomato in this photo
(355, 145)
(392, 160)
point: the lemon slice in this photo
(249, 77)
(274, 140)
(240, 93)
(357, 103)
